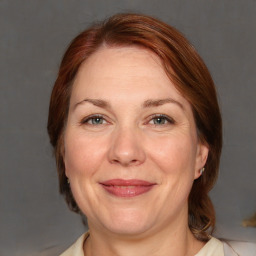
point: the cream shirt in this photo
(213, 247)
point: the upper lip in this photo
(129, 182)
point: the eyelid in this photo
(87, 118)
(169, 119)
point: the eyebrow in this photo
(95, 102)
(146, 104)
(160, 102)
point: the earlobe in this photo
(202, 170)
(202, 155)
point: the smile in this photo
(127, 188)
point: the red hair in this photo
(184, 68)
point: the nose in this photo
(126, 148)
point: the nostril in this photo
(125, 162)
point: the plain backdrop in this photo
(34, 219)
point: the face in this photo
(131, 150)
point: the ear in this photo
(201, 158)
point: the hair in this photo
(185, 69)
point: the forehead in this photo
(122, 61)
(121, 72)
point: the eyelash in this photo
(91, 118)
(163, 117)
(154, 117)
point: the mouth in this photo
(127, 188)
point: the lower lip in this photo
(127, 191)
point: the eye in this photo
(161, 120)
(94, 120)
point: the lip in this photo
(127, 188)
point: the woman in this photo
(136, 130)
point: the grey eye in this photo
(94, 120)
(97, 120)
(159, 120)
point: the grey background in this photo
(34, 219)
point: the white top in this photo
(213, 247)
(77, 248)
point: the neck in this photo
(175, 241)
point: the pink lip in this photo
(127, 188)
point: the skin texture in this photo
(129, 140)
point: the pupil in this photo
(159, 120)
(97, 120)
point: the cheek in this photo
(174, 154)
(173, 157)
(83, 154)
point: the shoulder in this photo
(76, 249)
(213, 247)
(239, 248)
(216, 247)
